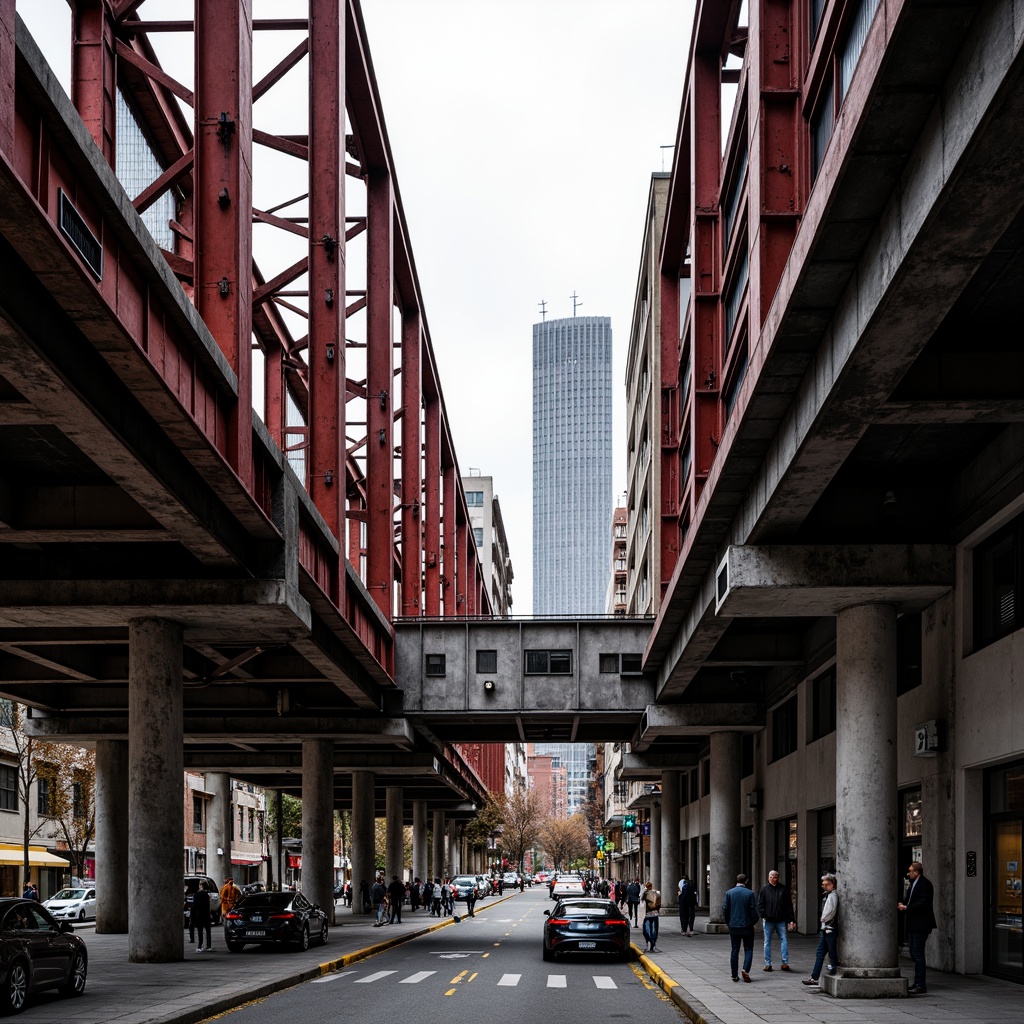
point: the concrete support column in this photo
(419, 839)
(221, 827)
(866, 803)
(318, 823)
(156, 766)
(394, 842)
(655, 872)
(276, 849)
(111, 837)
(671, 868)
(725, 823)
(363, 856)
(454, 863)
(438, 843)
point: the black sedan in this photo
(586, 926)
(36, 953)
(283, 917)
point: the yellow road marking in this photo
(486, 955)
(497, 944)
(471, 977)
(450, 992)
(458, 977)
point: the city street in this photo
(486, 965)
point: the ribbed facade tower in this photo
(572, 464)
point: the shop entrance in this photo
(909, 851)
(1005, 949)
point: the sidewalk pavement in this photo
(694, 973)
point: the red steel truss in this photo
(355, 401)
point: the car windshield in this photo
(464, 880)
(265, 899)
(69, 894)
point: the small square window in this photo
(561, 663)
(487, 661)
(435, 665)
(632, 664)
(609, 664)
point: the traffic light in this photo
(629, 823)
(600, 842)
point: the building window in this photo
(784, 722)
(821, 130)
(911, 814)
(824, 701)
(609, 664)
(549, 663)
(7, 716)
(908, 653)
(695, 785)
(632, 664)
(997, 584)
(241, 823)
(197, 814)
(487, 661)
(43, 794)
(478, 536)
(8, 788)
(827, 841)
(435, 665)
(475, 498)
(739, 372)
(817, 9)
(252, 825)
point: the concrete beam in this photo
(271, 762)
(396, 731)
(649, 766)
(804, 580)
(695, 720)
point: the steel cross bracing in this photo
(134, 478)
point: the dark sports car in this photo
(36, 953)
(283, 917)
(586, 926)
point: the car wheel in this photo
(75, 984)
(323, 934)
(548, 955)
(235, 947)
(16, 989)
(303, 943)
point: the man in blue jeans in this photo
(920, 912)
(776, 910)
(827, 934)
(740, 911)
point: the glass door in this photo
(1006, 956)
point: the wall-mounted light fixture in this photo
(488, 686)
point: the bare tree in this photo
(566, 841)
(68, 775)
(11, 717)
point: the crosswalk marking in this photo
(417, 977)
(331, 977)
(556, 981)
(510, 979)
(370, 978)
(602, 981)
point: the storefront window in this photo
(912, 814)
(1005, 874)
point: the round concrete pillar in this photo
(725, 823)
(419, 839)
(454, 864)
(438, 845)
(866, 802)
(156, 767)
(111, 837)
(364, 865)
(318, 823)
(394, 841)
(221, 827)
(655, 872)
(670, 866)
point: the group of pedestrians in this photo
(773, 906)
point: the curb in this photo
(694, 1010)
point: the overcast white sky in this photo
(524, 134)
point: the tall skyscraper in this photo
(577, 761)
(572, 464)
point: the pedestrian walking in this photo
(652, 909)
(377, 896)
(633, 901)
(920, 911)
(739, 909)
(437, 898)
(776, 910)
(827, 931)
(687, 905)
(396, 894)
(201, 919)
(230, 894)
(414, 895)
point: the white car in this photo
(510, 878)
(72, 904)
(567, 887)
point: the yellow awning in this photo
(11, 855)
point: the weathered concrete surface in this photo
(695, 720)
(725, 822)
(318, 822)
(363, 839)
(112, 836)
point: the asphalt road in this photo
(485, 969)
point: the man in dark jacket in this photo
(633, 901)
(687, 904)
(776, 910)
(920, 911)
(396, 890)
(201, 919)
(377, 894)
(740, 911)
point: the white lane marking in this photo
(373, 977)
(601, 981)
(511, 980)
(417, 977)
(331, 977)
(556, 981)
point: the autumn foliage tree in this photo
(67, 775)
(566, 840)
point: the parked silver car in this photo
(77, 904)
